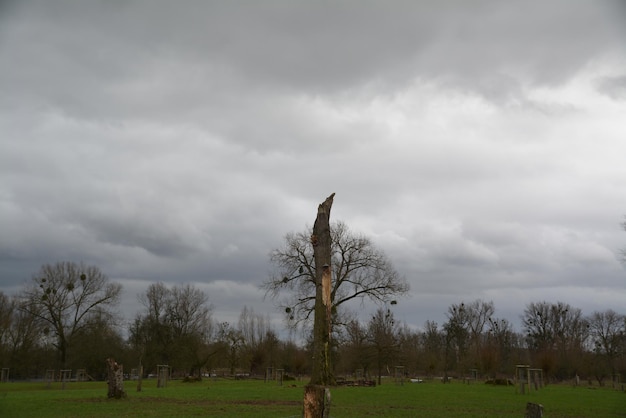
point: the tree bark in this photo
(316, 402)
(317, 395)
(116, 379)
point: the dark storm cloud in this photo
(309, 47)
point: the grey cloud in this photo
(301, 46)
(180, 143)
(614, 87)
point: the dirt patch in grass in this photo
(218, 402)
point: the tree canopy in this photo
(175, 326)
(65, 296)
(359, 271)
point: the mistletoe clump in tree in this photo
(359, 271)
(65, 298)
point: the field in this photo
(252, 398)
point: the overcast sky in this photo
(480, 144)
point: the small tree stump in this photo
(534, 410)
(116, 379)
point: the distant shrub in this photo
(499, 382)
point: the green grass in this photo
(228, 398)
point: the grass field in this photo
(251, 398)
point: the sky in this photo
(479, 144)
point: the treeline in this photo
(555, 337)
(66, 318)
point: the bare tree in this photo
(150, 332)
(382, 333)
(253, 327)
(456, 336)
(410, 352)
(20, 335)
(175, 326)
(259, 340)
(6, 308)
(607, 330)
(433, 341)
(189, 317)
(232, 343)
(99, 340)
(499, 345)
(354, 347)
(479, 312)
(359, 271)
(555, 325)
(155, 302)
(188, 311)
(556, 333)
(64, 295)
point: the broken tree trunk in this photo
(316, 401)
(116, 379)
(317, 394)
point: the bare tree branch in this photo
(360, 271)
(64, 295)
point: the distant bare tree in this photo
(556, 333)
(554, 325)
(382, 334)
(150, 334)
(359, 271)
(478, 314)
(253, 327)
(354, 347)
(155, 301)
(433, 342)
(175, 326)
(608, 333)
(188, 311)
(499, 345)
(410, 351)
(456, 337)
(6, 308)
(64, 295)
(20, 335)
(259, 340)
(231, 340)
(98, 340)
(189, 316)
